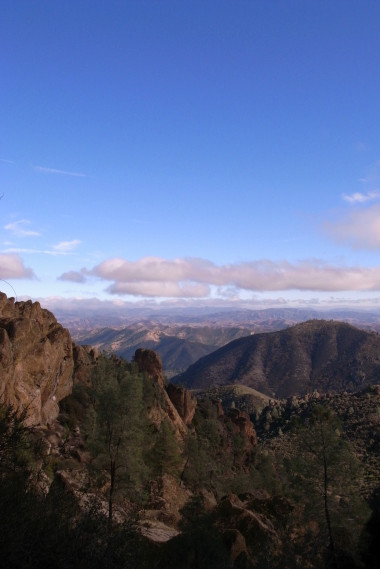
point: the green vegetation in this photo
(39, 529)
(300, 498)
(324, 475)
(199, 545)
(116, 425)
(165, 456)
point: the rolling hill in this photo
(315, 355)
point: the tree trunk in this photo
(331, 546)
(110, 499)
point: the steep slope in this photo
(315, 355)
(178, 346)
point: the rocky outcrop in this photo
(85, 358)
(251, 537)
(183, 401)
(36, 360)
(242, 421)
(149, 362)
(167, 498)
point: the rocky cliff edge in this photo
(36, 360)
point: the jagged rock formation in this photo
(149, 362)
(250, 536)
(85, 358)
(315, 355)
(36, 360)
(244, 426)
(183, 401)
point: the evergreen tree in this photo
(165, 454)
(199, 545)
(324, 475)
(115, 426)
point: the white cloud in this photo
(359, 228)
(160, 289)
(358, 197)
(55, 171)
(154, 276)
(19, 228)
(12, 267)
(66, 246)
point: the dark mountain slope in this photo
(315, 355)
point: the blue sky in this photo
(191, 150)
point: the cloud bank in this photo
(193, 277)
(12, 267)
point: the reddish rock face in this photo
(244, 424)
(253, 537)
(183, 401)
(149, 362)
(85, 358)
(36, 360)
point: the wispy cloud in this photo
(358, 197)
(193, 278)
(373, 175)
(62, 248)
(30, 251)
(19, 228)
(7, 161)
(66, 246)
(359, 228)
(12, 267)
(56, 171)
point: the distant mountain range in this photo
(181, 336)
(178, 346)
(315, 355)
(84, 318)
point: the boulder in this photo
(260, 537)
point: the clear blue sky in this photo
(190, 149)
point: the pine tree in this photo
(115, 426)
(166, 457)
(324, 474)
